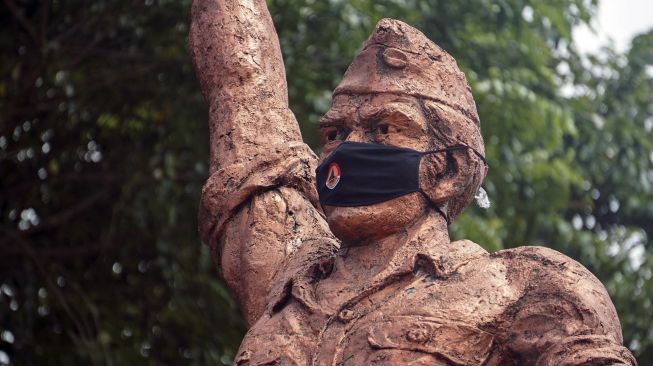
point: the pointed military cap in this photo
(398, 58)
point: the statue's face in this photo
(383, 119)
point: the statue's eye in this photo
(336, 134)
(384, 129)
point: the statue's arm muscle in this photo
(259, 204)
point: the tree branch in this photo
(15, 11)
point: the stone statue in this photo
(372, 278)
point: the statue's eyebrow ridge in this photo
(333, 118)
(384, 111)
(332, 122)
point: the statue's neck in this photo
(427, 234)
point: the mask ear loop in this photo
(434, 206)
(457, 148)
(448, 149)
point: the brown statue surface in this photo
(380, 284)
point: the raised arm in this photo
(239, 65)
(260, 204)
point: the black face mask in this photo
(360, 174)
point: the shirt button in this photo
(346, 315)
(417, 335)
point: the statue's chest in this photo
(415, 320)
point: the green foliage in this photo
(103, 150)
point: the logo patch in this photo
(333, 176)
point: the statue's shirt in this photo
(470, 308)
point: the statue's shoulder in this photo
(546, 270)
(543, 265)
(539, 258)
(558, 290)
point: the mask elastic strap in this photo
(457, 148)
(446, 217)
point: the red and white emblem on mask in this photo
(333, 175)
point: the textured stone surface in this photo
(380, 284)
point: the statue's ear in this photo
(447, 178)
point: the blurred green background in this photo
(104, 149)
